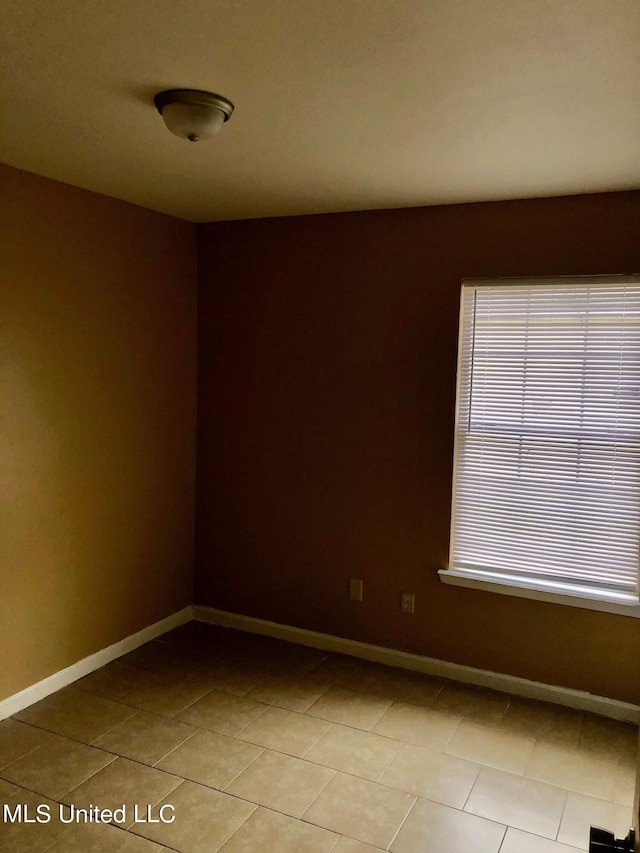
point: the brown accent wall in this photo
(97, 367)
(327, 356)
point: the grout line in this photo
(171, 751)
(504, 836)
(317, 743)
(86, 779)
(238, 828)
(564, 806)
(318, 795)
(153, 805)
(402, 744)
(411, 807)
(29, 751)
(475, 782)
(580, 731)
(366, 692)
(132, 717)
(246, 725)
(237, 776)
(339, 836)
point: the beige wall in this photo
(327, 365)
(326, 402)
(97, 363)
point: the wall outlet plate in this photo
(355, 589)
(407, 602)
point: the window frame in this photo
(553, 591)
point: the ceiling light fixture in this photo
(193, 114)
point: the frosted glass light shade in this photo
(193, 114)
(193, 121)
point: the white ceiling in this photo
(340, 104)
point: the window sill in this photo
(622, 604)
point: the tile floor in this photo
(259, 745)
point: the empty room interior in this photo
(321, 436)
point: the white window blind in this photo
(547, 447)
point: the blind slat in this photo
(547, 446)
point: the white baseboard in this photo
(576, 699)
(72, 673)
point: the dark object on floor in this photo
(603, 841)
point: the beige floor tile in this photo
(491, 746)
(350, 845)
(513, 800)
(360, 710)
(229, 677)
(302, 660)
(113, 680)
(251, 646)
(222, 713)
(77, 715)
(346, 671)
(403, 685)
(625, 783)
(282, 783)
(17, 739)
(353, 751)
(474, 703)
(543, 721)
(210, 759)
(440, 829)
(631, 759)
(581, 812)
(32, 837)
(267, 830)
(123, 782)
(285, 731)
(293, 694)
(360, 809)
(608, 738)
(146, 737)
(56, 767)
(287, 659)
(591, 756)
(204, 819)
(433, 775)
(319, 680)
(102, 838)
(164, 658)
(258, 653)
(565, 767)
(517, 841)
(154, 656)
(165, 694)
(419, 726)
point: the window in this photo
(546, 490)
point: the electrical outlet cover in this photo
(407, 602)
(355, 589)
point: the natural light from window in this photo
(546, 492)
